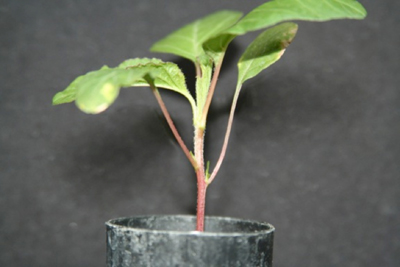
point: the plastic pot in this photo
(169, 241)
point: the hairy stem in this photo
(173, 128)
(201, 179)
(227, 135)
(201, 201)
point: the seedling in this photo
(205, 42)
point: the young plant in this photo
(205, 42)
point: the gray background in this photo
(315, 148)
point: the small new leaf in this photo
(202, 88)
(265, 50)
(277, 11)
(188, 41)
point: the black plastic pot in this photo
(170, 241)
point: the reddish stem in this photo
(211, 91)
(172, 127)
(199, 149)
(201, 201)
(226, 139)
(201, 181)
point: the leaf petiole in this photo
(171, 124)
(227, 135)
(211, 91)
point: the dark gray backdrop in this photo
(314, 149)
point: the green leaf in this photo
(202, 87)
(188, 41)
(216, 47)
(69, 94)
(139, 62)
(276, 11)
(169, 76)
(265, 50)
(97, 90)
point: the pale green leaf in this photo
(139, 62)
(169, 76)
(97, 90)
(202, 87)
(188, 41)
(68, 94)
(277, 11)
(266, 49)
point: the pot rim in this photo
(269, 228)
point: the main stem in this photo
(201, 202)
(201, 178)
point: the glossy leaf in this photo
(188, 41)
(265, 50)
(277, 11)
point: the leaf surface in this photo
(68, 94)
(97, 90)
(216, 46)
(265, 50)
(277, 11)
(188, 41)
(169, 76)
